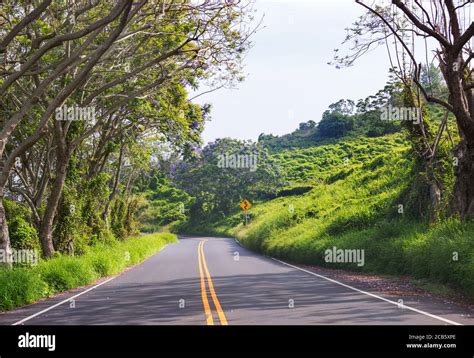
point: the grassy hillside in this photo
(354, 191)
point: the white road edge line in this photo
(370, 294)
(62, 302)
(79, 294)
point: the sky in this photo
(288, 80)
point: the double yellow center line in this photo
(207, 308)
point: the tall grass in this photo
(19, 286)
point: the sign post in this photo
(245, 205)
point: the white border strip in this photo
(370, 294)
(62, 302)
(84, 292)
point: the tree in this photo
(431, 78)
(400, 27)
(335, 124)
(343, 106)
(130, 61)
(239, 169)
(307, 125)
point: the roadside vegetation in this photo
(360, 185)
(357, 206)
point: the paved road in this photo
(202, 281)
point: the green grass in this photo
(19, 286)
(353, 204)
(434, 288)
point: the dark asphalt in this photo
(166, 289)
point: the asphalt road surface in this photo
(215, 281)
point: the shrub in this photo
(23, 235)
(20, 286)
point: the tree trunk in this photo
(435, 200)
(6, 252)
(114, 189)
(46, 228)
(422, 135)
(5, 248)
(463, 193)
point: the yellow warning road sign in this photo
(245, 205)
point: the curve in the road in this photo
(216, 281)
